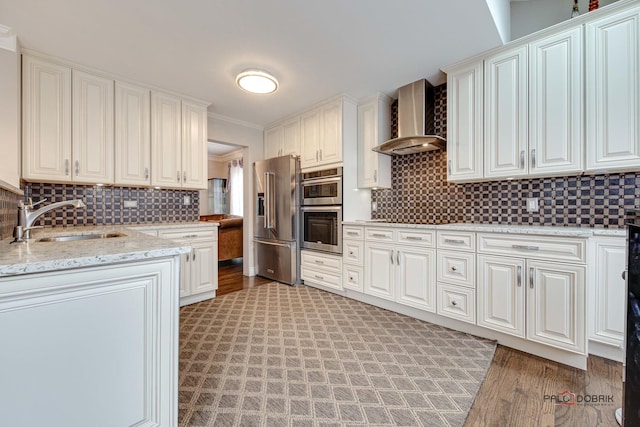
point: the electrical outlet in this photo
(374, 206)
(187, 200)
(532, 204)
(130, 203)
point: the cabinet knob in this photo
(350, 252)
(453, 268)
(178, 176)
(454, 303)
(184, 177)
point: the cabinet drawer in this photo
(457, 302)
(187, 234)
(328, 263)
(456, 268)
(353, 277)
(417, 237)
(539, 247)
(458, 240)
(352, 251)
(330, 280)
(352, 232)
(376, 234)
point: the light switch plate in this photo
(130, 203)
(187, 200)
(532, 204)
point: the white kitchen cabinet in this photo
(556, 104)
(613, 92)
(194, 145)
(400, 265)
(465, 123)
(178, 142)
(506, 113)
(91, 346)
(323, 269)
(321, 134)
(606, 293)
(374, 128)
(92, 128)
(199, 268)
(532, 297)
(353, 257)
(282, 139)
(46, 120)
(132, 134)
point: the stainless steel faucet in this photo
(27, 216)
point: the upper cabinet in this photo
(282, 139)
(321, 134)
(465, 124)
(133, 134)
(178, 142)
(612, 92)
(53, 149)
(505, 113)
(86, 128)
(374, 128)
(46, 120)
(554, 105)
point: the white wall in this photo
(530, 16)
(501, 13)
(9, 110)
(230, 131)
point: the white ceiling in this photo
(218, 149)
(316, 49)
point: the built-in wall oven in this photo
(321, 210)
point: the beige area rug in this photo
(277, 355)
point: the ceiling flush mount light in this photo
(257, 81)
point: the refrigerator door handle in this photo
(264, 242)
(269, 200)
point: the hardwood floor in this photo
(230, 278)
(516, 383)
(513, 393)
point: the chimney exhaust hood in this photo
(416, 130)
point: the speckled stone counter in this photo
(509, 229)
(39, 257)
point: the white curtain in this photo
(235, 187)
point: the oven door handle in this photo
(330, 208)
(322, 180)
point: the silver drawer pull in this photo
(379, 235)
(413, 238)
(190, 236)
(519, 276)
(531, 273)
(318, 277)
(526, 248)
(194, 255)
(454, 242)
(352, 233)
(319, 262)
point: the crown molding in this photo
(238, 122)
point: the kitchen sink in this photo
(72, 237)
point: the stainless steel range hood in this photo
(416, 131)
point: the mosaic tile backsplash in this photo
(421, 194)
(105, 205)
(8, 214)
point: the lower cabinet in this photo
(401, 272)
(322, 269)
(91, 346)
(538, 300)
(198, 268)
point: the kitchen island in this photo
(89, 328)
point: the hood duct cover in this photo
(416, 130)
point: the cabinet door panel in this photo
(331, 134)
(133, 135)
(465, 124)
(309, 138)
(379, 271)
(367, 139)
(416, 276)
(555, 305)
(203, 275)
(555, 114)
(166, 147)
(506, 114)
(501, 294)
(612, 91)
(194, 146)
(273, 142)
(92, 138)
(291, 137)
(46, 120)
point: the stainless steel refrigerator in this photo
(276, 218)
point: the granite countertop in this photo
(156, 225)
(38, 257)
(497, 228)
